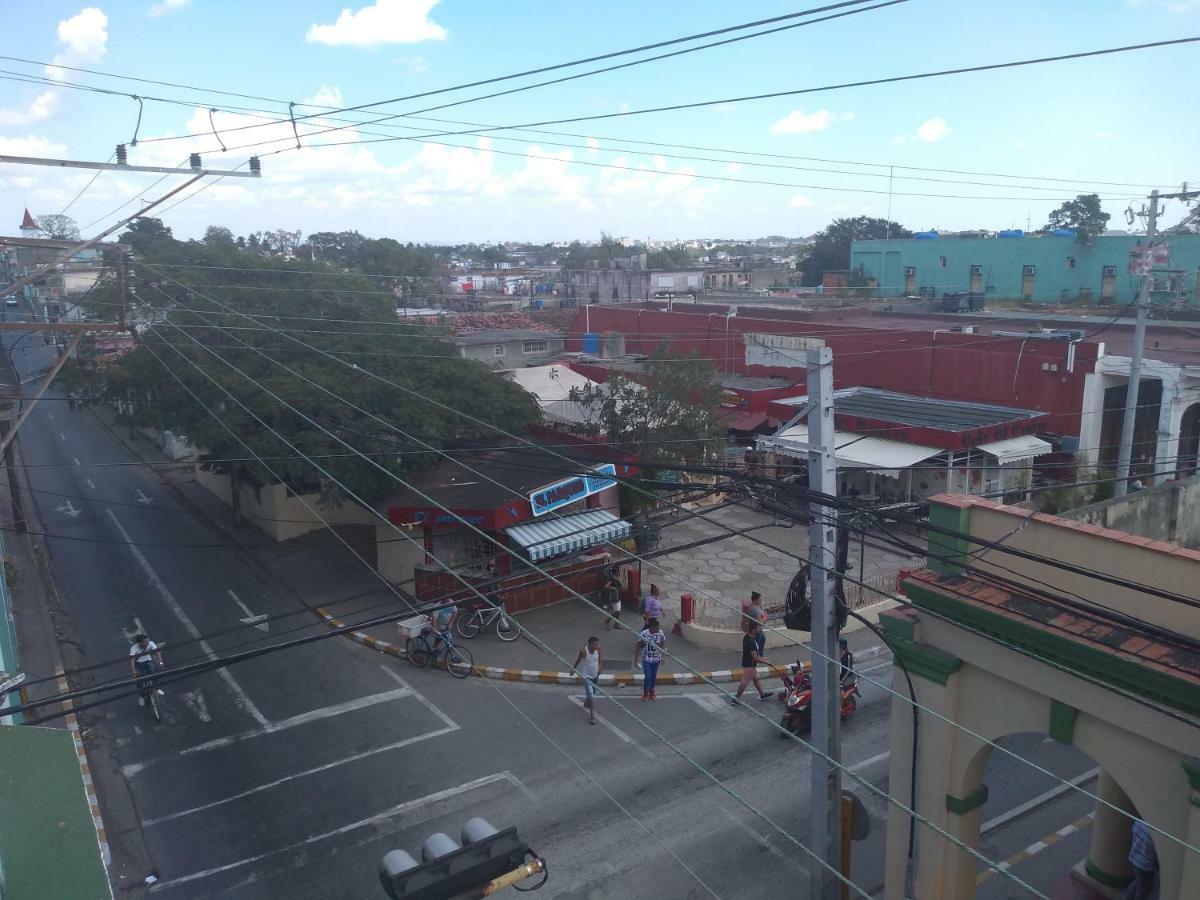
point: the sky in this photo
(1057, 129)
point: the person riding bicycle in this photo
(142, 656)
(443, 617)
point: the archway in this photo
(1189, 441)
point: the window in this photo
(1070, 262)
(941, 262)
(976, 270)
(1109, 271)
(910, 271)
(535, 347)
(1028, 270)
(498, 350)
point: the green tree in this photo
(58, 227)
(336, 246)
(668, 258)
(669, 412)
(830, 248)
(1083, 215)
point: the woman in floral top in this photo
(650, 646)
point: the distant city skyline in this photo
(826, 155)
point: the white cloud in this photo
(933, 130)
(166, 6)
(31, 145)
(801, 202)
(928, 132)
(800, 122)
(326, 95)
(1103, 135)
(383, 22)
(84, 39)
(416, 65)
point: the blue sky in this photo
(1118, 119)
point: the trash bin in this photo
(687, 607)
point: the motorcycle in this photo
(797, 698)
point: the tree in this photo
(336, 246)
(218, 236)
(668, 413)
(830, 248)
(58, 227)
(668, 258)
(1083, 215)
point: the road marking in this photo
(420, 698)
(304, 718)
(765, 843)
(61, 435)
(68, 509)
(143, 499)
(195, 702)
(398, 745)
(867, 763)
(50, 413)
(578, 701)
(77, 462)
(1040, 800)
(375, 820)
(240, 696)
(1038, 846)
(90, 483)
(258, 621)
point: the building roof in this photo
(856, 451)
(923, 412)
(751, 382)
(502, 336)
(28, 221)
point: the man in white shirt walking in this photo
(588, 664)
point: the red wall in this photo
(951, 366)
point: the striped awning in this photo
(553, 537)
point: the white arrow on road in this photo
(68, 509)
(142, 498)
(258, 622)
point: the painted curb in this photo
(540, 676)
(89, 786)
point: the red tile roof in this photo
(28, 221)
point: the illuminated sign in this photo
(565, 492)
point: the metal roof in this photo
(1015, 449)
(924, 412)
(855, 451)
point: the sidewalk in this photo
(318, 572)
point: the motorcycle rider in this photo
(847, 661)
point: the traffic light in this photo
(448, 869)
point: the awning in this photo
(552, 537)
(1016, 449)
(741, 420)
(855, 450)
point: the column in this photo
(1189, 876)
(1108, 859)
(1169, 416)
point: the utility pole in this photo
(122, 285)
(826, 794)
(1125, 451)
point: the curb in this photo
(89, 785)
(541, 676)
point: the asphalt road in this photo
(291, 775)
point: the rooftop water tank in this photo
(926, 235)
(591, 343)
(1063, 232)
(1012, 233)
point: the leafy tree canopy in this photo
(57, 227)
(1084, 215)
(187, 290)
(830, 248)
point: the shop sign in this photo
(563, 493)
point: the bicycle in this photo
(483, 616)
(148, 692)
(422, 654)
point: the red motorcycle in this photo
(797, 699)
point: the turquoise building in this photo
(1038, 267)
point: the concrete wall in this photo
(1168, 512)
(278, 513)
(1003, 260)
(395, 558)
(1163, 565)
(514, 351)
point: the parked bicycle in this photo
(427, 647)
(484, 616)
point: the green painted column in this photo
(953, 549)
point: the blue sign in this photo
(563, 493)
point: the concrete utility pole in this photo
(1125, 451)
(825, 827)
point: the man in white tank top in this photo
(588, 664)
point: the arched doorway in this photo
(1189, 441)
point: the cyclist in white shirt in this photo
(142, 656)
